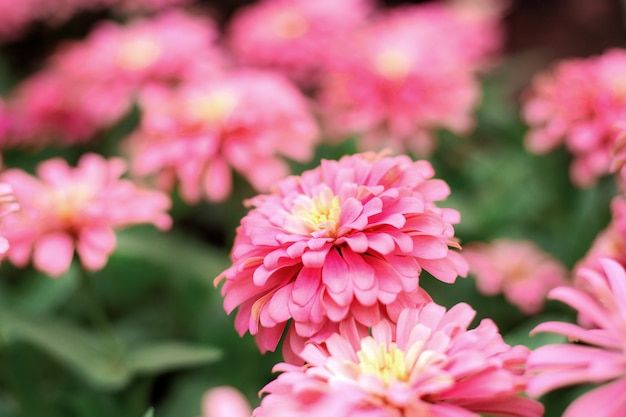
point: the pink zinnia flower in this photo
(578, 103)
(347, 239)
(225, 401)
(391, 86)
(518, 269)
(600, 299)
(199, 133)
(78, 209)
(610, 242)
(428, 364)
(293, 36)
(89, 85)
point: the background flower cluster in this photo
(295, 207)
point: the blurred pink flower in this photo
(294, 37)
(75, 209)
(518, 269)
(225, 401)
(242, 121)
(600, 299)
(428, 364)
(14, 17)
(578, 103)
(89, 85)
(610, 242)
(347, 239)
(393, 88)
(52, 107)
(8, 205)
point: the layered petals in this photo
(347, 239)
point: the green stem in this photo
(94, 308)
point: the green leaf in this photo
(178, 253)
(149, 413)
(520, 334)
(43, 294)
(96, 358)
(168, 355)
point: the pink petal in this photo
(53, 253)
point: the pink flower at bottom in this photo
(428, 364)
(518, 269)
(75, 209)
(347, 239)
(225, 401)
(600, 355)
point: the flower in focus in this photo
(293, 37)
(578, 103)
(347, 239)
(225, 401)
(518, 269)
(428, 364)
(68, 209)
(600, 299)
(89, 85)
(390, 86)
(242, 121)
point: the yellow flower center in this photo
(138, 53)
(392, 64)
(68, 203)
(320, 213)
(289, 24)
(388, 362)
(212, 108)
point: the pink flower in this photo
(75, 209)
(577, 103)
(391, 86)
(14, 17)
(428, 364)
(347, 239)
(8, 205)
(89, 85)
(518, 269)
(225, 402)
(242, 121)
(600, 299)
(610, 242)
(293, 36)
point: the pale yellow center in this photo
(320, 213)
(392, 64)
(67, 204)
(138, 53)
(212, 108)
(388, 362)
(289, 24)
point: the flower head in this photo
(197, 134)
(428, 364)
(225, 401)
(390, 85)
(293, 37)
(78, 209)
(518, 269)
(347, 239)
(89, 85)
(600, 299)
(577, 103)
